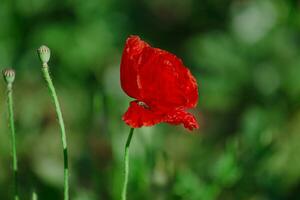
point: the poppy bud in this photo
(44, 54)
(9, 75)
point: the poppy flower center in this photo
(143, 104)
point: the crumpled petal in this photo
(139, 114)
(182, 117)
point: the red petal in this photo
(156, 77)
(182, 117)
(159, 79)
(137, 116)
(129, 66)
(165, 81)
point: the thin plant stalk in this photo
(13, 140)
(34, 196)
(126, 165)
(9, 77)
(62, 128)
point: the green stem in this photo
(34, 196)
(13, 139)
(126, 164)
(62, 129)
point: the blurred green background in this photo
(245, 55)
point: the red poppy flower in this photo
(162, 86)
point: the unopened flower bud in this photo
(44, 54)
(9, 75)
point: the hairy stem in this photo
(126, 165)
(13, 139)
(62, 128)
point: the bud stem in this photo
(13, 139)
(62, 128)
